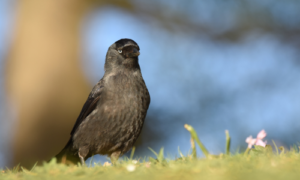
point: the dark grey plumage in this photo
(113, 115)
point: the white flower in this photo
(130, 167)
(107, 164)
(134, 161)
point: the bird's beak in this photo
(135, 52)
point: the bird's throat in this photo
(131, 63)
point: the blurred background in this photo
(215, 65)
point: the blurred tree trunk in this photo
(44, 79)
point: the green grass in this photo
(257, 163)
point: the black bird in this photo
(113, 115)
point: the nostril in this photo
(134, 50)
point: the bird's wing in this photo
(89, 105)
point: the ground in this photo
(256, 163)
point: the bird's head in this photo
(122, 54)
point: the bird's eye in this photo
(120, 51)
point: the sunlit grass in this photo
(257, 163)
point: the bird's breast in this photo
(125, 105)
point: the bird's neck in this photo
(131, 64)
(127, 68)
(127, 65)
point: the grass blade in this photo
(33, 166)
(195, 137)
(132, 153)
(160, 156)
(281, 148)
(275, 147)
(180, 153)
(228, 140)
(153, 151)
(91, 161)
(194, 151)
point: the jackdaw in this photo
(113, 115)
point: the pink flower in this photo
(147, 164)
(258, 141)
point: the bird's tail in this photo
(66, 155)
